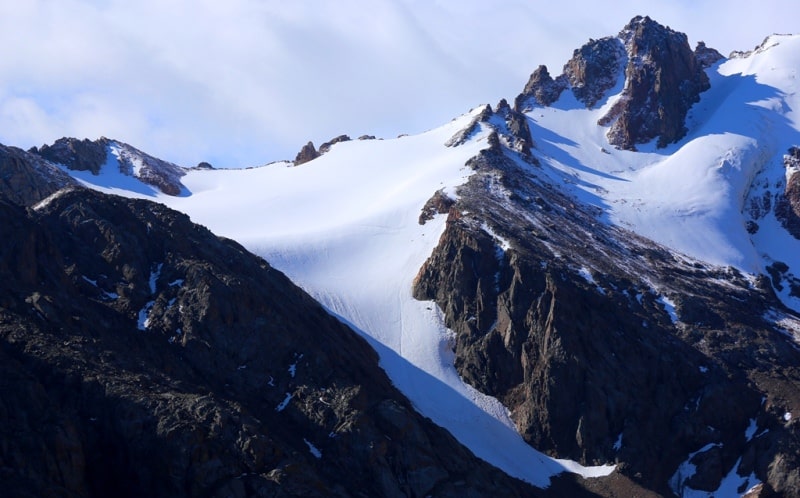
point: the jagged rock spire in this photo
(663, 77)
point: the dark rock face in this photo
(787, 208)
(564, 319)
(663, 80)
(518, 131)
(706, 56)
(163, 175)
(86, 155)
(663, 77)
(541, 89)
(306, 154)
(594, 69)
(327, 145)
(79, 155)
(26, 178)
(143, 356)
(439, 203)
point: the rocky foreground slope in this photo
(143, 356)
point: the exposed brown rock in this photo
(86, 155)
(594, 368)
(519, 133)
(439, 203)
(787, 206)
(594, 69)
(26, 178)
(663, 77)
(663, 80)
(706, 56)
(541, 89)
(327, 145)
(306, 154)
(80, 155)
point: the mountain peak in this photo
(94, 155)
(663, 77)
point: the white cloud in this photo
(243, 82)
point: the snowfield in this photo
(344, 226)
(691, 196)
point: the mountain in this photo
(144, 356)
(594, 291)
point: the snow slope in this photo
(345, 228)
(690, 195)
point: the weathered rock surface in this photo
(787, 207)
(569, 322)
(541, 89)
(706, 55)
(26, 178)
(87, 155)
(330, 143)
(516, 128)
(75, 154)
(662, 78)
(140, 355)
(595, 69)
(306, 154)
(439, 203)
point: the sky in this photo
(245, 82)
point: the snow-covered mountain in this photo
(602, 280)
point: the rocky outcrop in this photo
(26, 178)
(327, 145)
(439, 203)
(663, 78)
(87, 155)
(516, 128)
(306, 154)
(143, 356)
(541, 89)
(706, 56)
(163, 175)
(594, 69)
(75, 154)
(603, 346)
(787, 205)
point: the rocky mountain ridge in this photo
(608, 347)
(88, 155)
(662, 77)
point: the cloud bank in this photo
(245, 82)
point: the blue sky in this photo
(245, 82)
